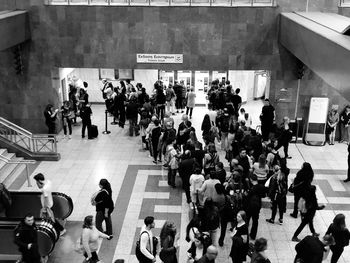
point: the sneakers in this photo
(295, 239)
(280, 221)
(270, 221)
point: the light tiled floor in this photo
(84, 162)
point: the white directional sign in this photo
(160, 58)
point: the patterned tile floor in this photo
(140, 189)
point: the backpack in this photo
(5, 197)
(139, 255)
(302, 205)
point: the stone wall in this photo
(109, 37)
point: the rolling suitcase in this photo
(93, 131)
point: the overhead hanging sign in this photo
(160, 58)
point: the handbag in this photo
(79, 248)
(291, 188)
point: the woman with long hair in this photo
(90, 238)
(168, 240)
(198, 248)
(302, 180)
(240, 239)
(104, 206)
(341, 236)
(206, 125)
(211, 158)
(261, 169)
(278, 194)
(50, 118)
(259, 255)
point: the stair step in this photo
(19, 171)
(3, 151)
(8, 169)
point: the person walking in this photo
(90, 239)
(26, 238)
(168, 242)
(170, 99)
(191, 102)
(303, 178)
(313, 250)
(67, 116)
(285, 137)
(278, 195)
(46, 199)
(147, 253)
(104, 207)
(308, 211)
(341, 236)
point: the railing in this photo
(344, 3)
(25, 162)
(228, 3)
(35, 143)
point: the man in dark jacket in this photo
(267, 117)
(85, 115)
(256, 192)
(26, 238)
(131, 115)
(313, 250)
(186, 167)
(178, 93)
(220, 172)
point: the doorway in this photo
(201, 83)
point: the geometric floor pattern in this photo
(140, 189)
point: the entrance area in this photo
(253, 85)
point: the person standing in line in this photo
(146, 241)
(170, 99)
(348, 177)
(155, 136)
(132, 115)
(178, 93)
(168, 242)
(26, 238)
(332, 123)
(313, 250)
(50, 118)
(191, 102)
(267, 117)
(46, 199)
(341, 236)
(85, 115)
(90, 239)
(210, 255)
(104, 207)
(186, 169)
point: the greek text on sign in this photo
(159, 58)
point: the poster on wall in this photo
(107, 73)
(316, 126)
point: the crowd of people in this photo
(217, 197)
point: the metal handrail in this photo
(35, 143)
(25, 162)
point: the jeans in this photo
(170, 106)
(99, 220)
(86, 124)
(179, 105)
(214, 235)
(160, 111)
(133, 127)
(69, 124)
(171, 176)
(189, 110)
(306, 219)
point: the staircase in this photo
(12, 167)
